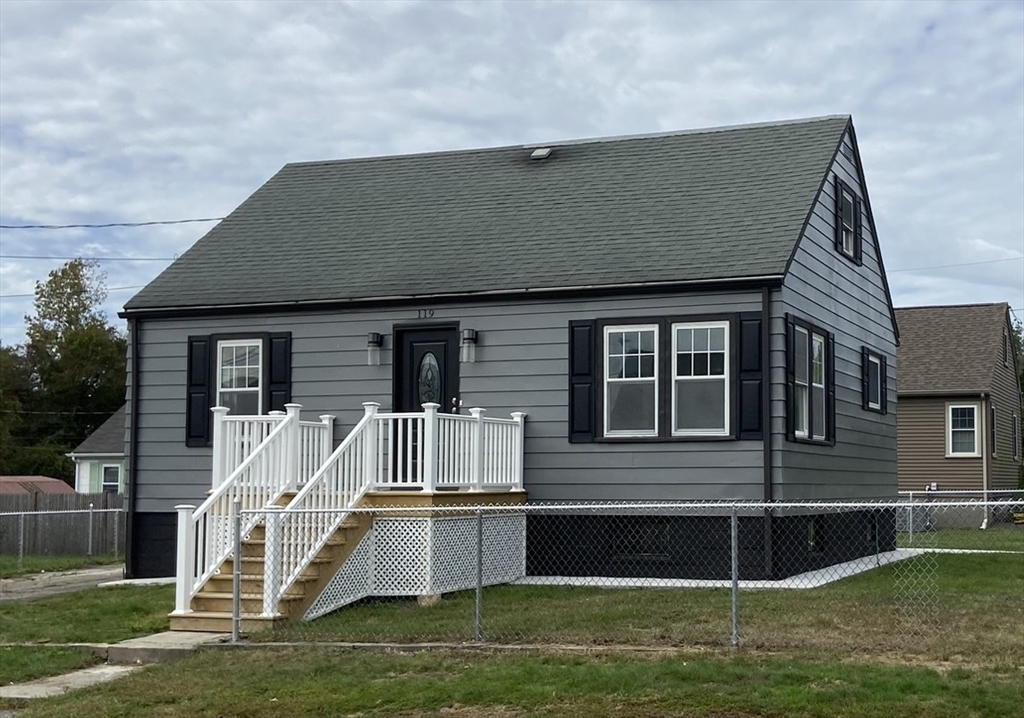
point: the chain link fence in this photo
(65, 533)
(908, 578)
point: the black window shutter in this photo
(197, 400)
(750, 378)
(839, 214)
(279, 385)
(865, 379)
(582, 381)
(790, 376)
(858, 235)
(883, 386)
(830, 398)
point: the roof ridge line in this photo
(954, 306)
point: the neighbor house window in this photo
(1015, 431)
(811, 382)
(962, 430)
(700, 379)
(631, 380)
(239, 376)
(111, 479)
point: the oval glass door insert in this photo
(429, 383)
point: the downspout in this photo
(766, 423)
(986, 454)
(133, 445)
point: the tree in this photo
(66, 379)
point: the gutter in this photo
(449, 297)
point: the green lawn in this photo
(325, 682)
(25, 663)
(933, 607)
(102, 615)
(48, 564)
(998, 537)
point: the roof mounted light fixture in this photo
(541, 153)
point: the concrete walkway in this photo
(122, 658)
(41, 585)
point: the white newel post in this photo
(185, 559)
(430, 446)
(220, 455)
(293, 444)
(519, 417)
(370, 448)
(272, 547)
(477, 447)
(327, 445)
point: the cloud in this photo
(163, 110)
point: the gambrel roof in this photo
(678, 207)
(949, 349)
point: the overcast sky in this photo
(141, 111)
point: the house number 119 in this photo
(424, 313)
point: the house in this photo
(29, 485)
(99, 460)
(680, 316)
(960, 399)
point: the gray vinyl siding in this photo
(830, 291)
(521, 365)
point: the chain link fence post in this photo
(117, 531)
(89, 550)
(735, 553)
(236, 586)
(21, 541)
(478, 619)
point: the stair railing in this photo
(296, 535)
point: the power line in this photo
(32, 294)
(109, 224)
(948, 266)
(96, 259)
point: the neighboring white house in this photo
(99, 460)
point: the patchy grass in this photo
(50, 564)
(26, 663)
(323, 681)
(934, 607)
(997, 537)
(103, 615)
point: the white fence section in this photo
(256, 460)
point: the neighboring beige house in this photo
(959, 399)
(99, 460)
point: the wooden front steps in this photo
(212, 605)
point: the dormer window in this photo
(848, 222)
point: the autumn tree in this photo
(68, 376)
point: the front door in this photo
(427, 368)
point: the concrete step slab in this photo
(59, 685)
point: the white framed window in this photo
(818, 385)
(849, 222)
(110, 478)
(962, 430)
(700, 379)
(801, 390)
(631, 380)
(874, 383)
(240, 376)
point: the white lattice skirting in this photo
(422, 556)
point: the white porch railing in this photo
(414, 450)
(256, 459)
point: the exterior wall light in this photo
(374, 341)
(467, 352)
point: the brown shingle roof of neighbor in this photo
(33, 485)
(108, 438)
(676, 207)
(949, 349)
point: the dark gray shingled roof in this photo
(949, 349)
(108, 437)
(699, 205)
